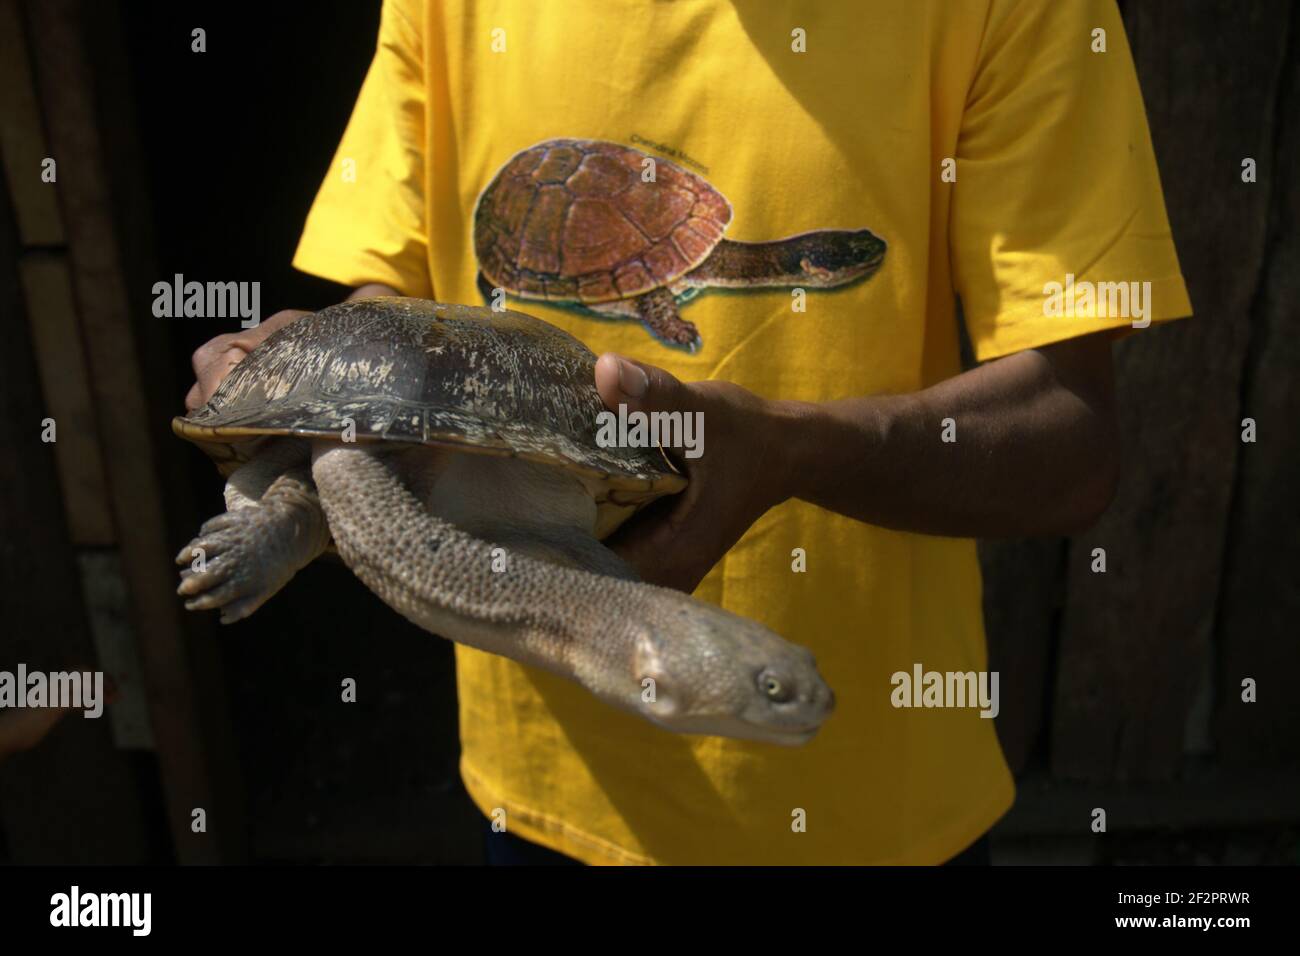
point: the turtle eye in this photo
(773, 687)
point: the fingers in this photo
(213, 360)
(210, 352)
(640, 386)
(249, 339)
(211, 375)
(23, 729)
(666, 543)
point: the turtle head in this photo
(703, 670)
(832, 257)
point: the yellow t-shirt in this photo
(805, 117)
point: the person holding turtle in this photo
(766, 215)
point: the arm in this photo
(214, 359)
(23, 729)
(1035, 453)
(1035, 450)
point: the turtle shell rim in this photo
(670, 481)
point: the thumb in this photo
(641, 387)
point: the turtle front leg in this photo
(243, 557)
(658, 312)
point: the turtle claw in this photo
(238, 610)
(689, 342)
(228, 601)
(196, 582)
(233, 578)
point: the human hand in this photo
(743, 471)
(214, 359)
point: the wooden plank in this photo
(1136, 639)
(1257, 628)
(74, 798)
(47, 285)
(22, 141)
(103, 589)
(177, 705)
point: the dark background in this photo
(241, 137)
(1119, 691)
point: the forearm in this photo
(1030, 449)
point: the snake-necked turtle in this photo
(450, 454)
(579, 222)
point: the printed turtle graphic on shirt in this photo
(574, 222)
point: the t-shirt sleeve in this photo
(368, 221)
(1057, 178)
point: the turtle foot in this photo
(658, 312)
(226, 566)
(687, 337)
